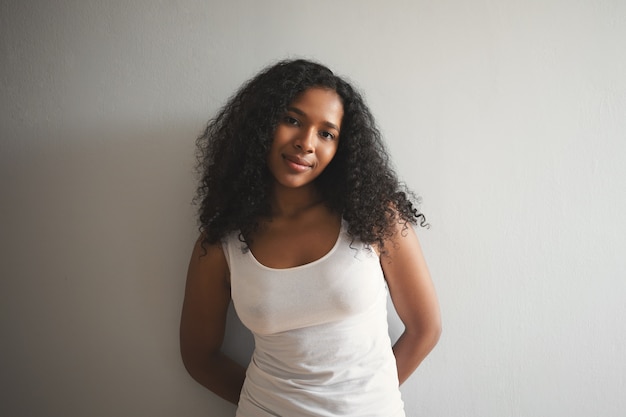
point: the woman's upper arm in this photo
(205, 306)
(410, 285)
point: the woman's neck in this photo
(291, 202)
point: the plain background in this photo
(507, 117)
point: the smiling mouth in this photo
(297, 164)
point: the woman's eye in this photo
(327, 135)
(291, 121)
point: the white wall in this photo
(508, 117)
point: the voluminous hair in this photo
(235, 185)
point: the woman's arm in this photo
(414, 299)
(203, 322)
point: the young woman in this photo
(304, 226)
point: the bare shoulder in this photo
(208, 261)
(408, 277)
(207, 291)
(402, 250)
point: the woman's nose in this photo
(306, 140)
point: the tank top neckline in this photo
(311, 264)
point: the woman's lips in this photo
(296, 163)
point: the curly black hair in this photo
(235, 184)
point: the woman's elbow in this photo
(435, 332)
(430, 332)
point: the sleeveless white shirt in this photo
(321, 342)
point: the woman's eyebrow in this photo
(296, 110)
(301, 113)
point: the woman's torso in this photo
(320, 329)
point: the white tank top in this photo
(321, 342)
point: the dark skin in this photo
(207, 296)
(301, 229)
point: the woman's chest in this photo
(289, 244)
(344, 283)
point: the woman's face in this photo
(306, 138)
